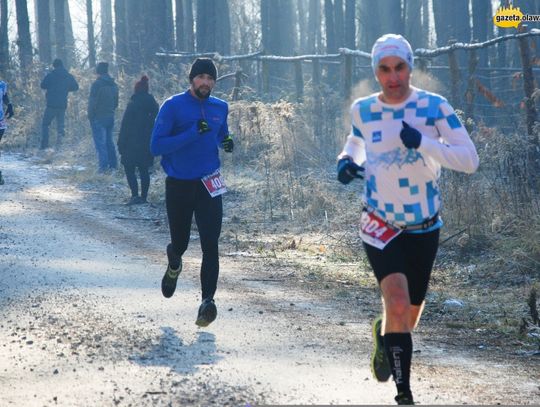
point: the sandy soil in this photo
(83, 322)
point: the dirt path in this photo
(83, 322)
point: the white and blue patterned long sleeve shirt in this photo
(402, 184)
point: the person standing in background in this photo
(102, 104)
(57, 84)
(134, 139)
(3, 116)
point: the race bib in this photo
(375, 231)
(214, 184)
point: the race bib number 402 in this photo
(214, 184)
(375, 231)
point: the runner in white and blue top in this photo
(401, 137)
(402, 184)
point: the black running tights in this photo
(183, 199)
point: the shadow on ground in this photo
(181, 358)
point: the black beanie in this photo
(57, 63)
(102, 68)
(203, 65)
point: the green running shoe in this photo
(380, 366)
(404, 399)
(207, 313)
(168, 283)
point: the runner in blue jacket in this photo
(189, 129)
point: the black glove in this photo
(9, 111)
(347, 170)
(410, 137)
(228, 144)
(202, 126)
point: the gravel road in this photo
(83, 322)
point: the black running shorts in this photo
(412, 254)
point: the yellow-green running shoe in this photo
(207, 313)
(404, 399)
(380, 366)
(168, 283)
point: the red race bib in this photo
(214, 184)
(375, 231)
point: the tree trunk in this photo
(331, 46)
(243, 25)
(205, 27)
(442, 21)
(339, 24)
(188, 26)
(135, 22)
(23, 30)
(278, 38)
(213, 26)
(120, 31)
(426, 21)
(390, 17)
(223, 38)
(179, 20)
(90, 34)
(314, 26)
(169, 26)
(461, 25)
(107, 43)
(413, 20)
(4, 39)
(452, 22)
(265, 25)
(156, 29)
(60, 30)
(482, 12)
(368, 21)
(43, 18)
(500, 59)
(70, 39)
(350, 24)
(286, 29)
(302, 26)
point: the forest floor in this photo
(83, 321)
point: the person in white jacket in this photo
(401, 136)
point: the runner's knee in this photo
(397, 306)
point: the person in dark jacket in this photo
(134, 139)
(57, 84)
(4, 99)
(102, 103)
